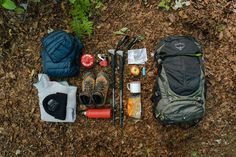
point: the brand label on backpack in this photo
(180, 46)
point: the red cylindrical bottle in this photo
(98, 113)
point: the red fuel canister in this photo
(98, 113)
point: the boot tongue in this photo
(98, 98)
(84, 98)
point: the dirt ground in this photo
(22, 133)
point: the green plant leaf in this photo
(119, 33)
(165, 4)
(194, 153)
(82, 26)
(141, 37)
(124, 29)
(99, 5)
(81, 14)
(8, 4)
(162, 5)
(19, 10)
(72, 1)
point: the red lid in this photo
(103, 63)
(87, 60)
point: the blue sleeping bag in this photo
(61, 54)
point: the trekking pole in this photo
(113, 63)
(121, 66)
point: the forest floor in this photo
(211, 22)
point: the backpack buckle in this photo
(159, 61)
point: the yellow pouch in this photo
(134, 106)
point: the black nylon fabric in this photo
(183, 74)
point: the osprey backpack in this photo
(179, 93)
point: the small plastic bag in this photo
(137, 56)
(135, 106)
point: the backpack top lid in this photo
(58, 45)
(178, 45)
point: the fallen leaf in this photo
(221, 35)
(183, 15)
(19, 10)
(172, 18)
(11, 75)
(232, 58)
(18, 152)
(233, 67)
(124, 29)
(1, 129)
(150, 74)
(50, 30)
(194, 153)
(32, 73)
(29, 50)
(218, 141)
(180, 3)
(141, 37)
(63, 8)
(121, 31)
(99, 26)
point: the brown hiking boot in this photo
(101, 89)
(88, 84)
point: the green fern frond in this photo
(82, 10)
(88, 26)
(82, 26)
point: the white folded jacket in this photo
(46, 87)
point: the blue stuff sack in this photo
(61, 54)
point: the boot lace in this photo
(88, 86)
(100, 86)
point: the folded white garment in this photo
(46, 87)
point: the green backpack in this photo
(179, 93)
